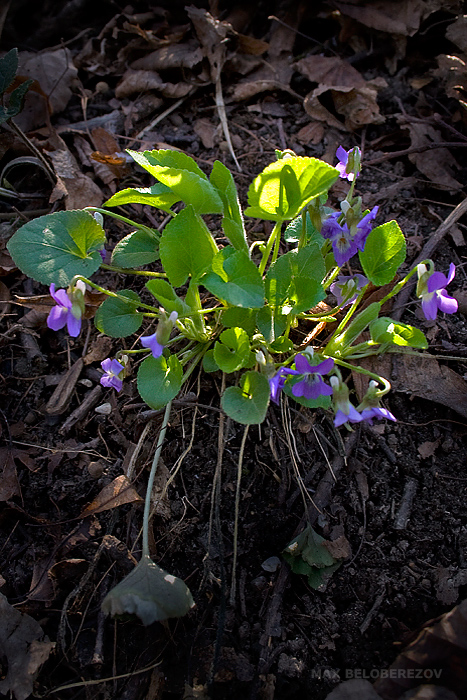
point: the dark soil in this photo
(398, 495)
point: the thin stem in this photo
(127, 271)
(361, 370)
(237, 509)
(152, 475)
(267, 251)
(114, 295)
(124, 219)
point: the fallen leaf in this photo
(59, 402)
(311, 133)
(206, 130)
(25, 647)
(457, 32)
(436, 164)
(171, 56)
(78, 189)
(428, 449)
(135, 81)
(9, 484)
(100, 348)
(117, 493)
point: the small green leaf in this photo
(284, 187)
(281, 344)
(16, 102)
(235, 279)
(158, 196)
(384, 252)
(296, 278)
(183, 177)
(247, 403)
(293, 231)
(56, 247)
(186, 247)
(271, 322)
(150, 593)
(8, 69)
(118, 318)
(159, 380)
(138, 248)
(385, 330)
(308, 555)
(167, 297)
(232, 223)
(209, 363)
(232, 350)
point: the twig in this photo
(415, 149)
(426, 252)
(403, 514)
(89, 402)
(237, 509)
(19, 132)
(374, 609)
(160, 117)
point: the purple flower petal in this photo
(451, 273)
(324, 367)
(111, 382)
(73, 325)
(436, 281)
(151, 342)
(446, 304)
(60, 297)
(430, 306)
(302, 365)
(57, 318)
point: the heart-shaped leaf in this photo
(247, 403)
(159, 380)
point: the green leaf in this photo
(185, 179)
(209, 363)
(232, 223)
(247, 403)
(158, 196)
(56, 247)
(235, 279)
(8, 69)
(296, 279)
(150, 593)
(344, 340)
(385, 330)
(138, 248)
(238, 316)
(307, 555)
(119, 318)
(271, 322)
(186, 247)
(281, 191)
(384, 252)
(167, 297)
(159, 380)
(232, 350)
(281, 344)
(16, 102)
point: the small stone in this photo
(105, 409)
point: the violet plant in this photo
(236, 308)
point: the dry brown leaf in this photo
(135, 81)
(100, 348)
(117, 493)
(9, 484)
(77, 188)
(311, 133)
(339, 548)
(428, 449)
(453, 70)
(172, 56)
(437, 164)
(329, 71)
(206, 130)
(422, 377)
(23, 644)
(5, 297)
(457, 32)
(60, 399)
(441, 645)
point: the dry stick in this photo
(427, 251)
(321, 498)
(223, 118)
(416, 149)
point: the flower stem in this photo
(361, 370)
(130, 271)
(275, 233)
(152, 475)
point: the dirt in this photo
(395, 493)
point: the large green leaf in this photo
(233, 225)
(240, 317)
(8, 68)
(284, 187)
(117, 317)
(138, 248)
(384, 252)
(186, 247)
(167, 297)
(185, 179)
(158, 196)
(159, 380)
(247, 403)
(235, 279)
(271, 322)
(56, 247)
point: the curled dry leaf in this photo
(135, 81)
(436, 164)
(150, 593)
(172, 56)
(23, 644)
(117, 493)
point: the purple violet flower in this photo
(343, 245)
(345, 411)
(68, 310)
(312, 386)
(376, 412)
(158, 340)
(349, 163)
(276, 383)
(431, 290)
(113, 371)
(364, 228)
(346, 289)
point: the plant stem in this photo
(275, 233)
(152, 475)
(114, 295)
(124, 219)
(130, 271)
